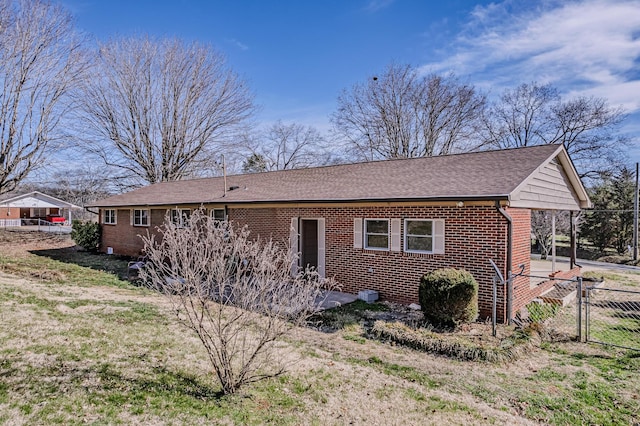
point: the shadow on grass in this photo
(113, 264)
(113, 386)
(162, 382)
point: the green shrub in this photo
(86, 234)
(449, 297)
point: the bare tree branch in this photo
(40, 61)
(535, 114)
(286, 146)
(402, 115)
(160, 110)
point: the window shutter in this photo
(438, 236)
(321, 248)
(131, 217)
(395, 234)
(357, 233)
(293, 243)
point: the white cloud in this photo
(589, 47)
(376, 5)
(237, 44)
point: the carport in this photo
(34, 208)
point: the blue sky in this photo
(298, 55)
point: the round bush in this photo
(86, 234)
(449, 297)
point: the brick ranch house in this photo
(379, 225)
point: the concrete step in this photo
(559, 296)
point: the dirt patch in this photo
(20, 243)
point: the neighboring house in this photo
(33, 207)
(379, 225)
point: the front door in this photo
(309, 243)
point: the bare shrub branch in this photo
(235, 292)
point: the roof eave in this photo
(448, 198)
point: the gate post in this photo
(509, 297)
(579, 310)
(494, 307)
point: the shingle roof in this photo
(481, 175)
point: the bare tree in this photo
(286, 146)
(234, 291)
(80, 186)
(541, 228)
(535, 114)
(402, 114)
(40, 61)
(161, 110)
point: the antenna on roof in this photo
(224, 174)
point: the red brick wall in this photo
(125, 238)
(9, 213)
(473, 235)
(566, 275)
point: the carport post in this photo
(553, 241)
(635, 219)
(573, 248)
(579, 313)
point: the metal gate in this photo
(612, 316)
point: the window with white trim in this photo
(140, 217)
(109, 217)
(39, 212)
(180, 217)
(376, 234)
(218, 215)
(423, 236)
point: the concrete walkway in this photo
(333, 299)
(562, 263)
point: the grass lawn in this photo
(79, 345)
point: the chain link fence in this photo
(595, 311)
(612, 316)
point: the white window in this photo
(218, 215)
(376, 234)
(109, 217)
(423, 236)
(140, 217)
(39, 212)
(180, 217)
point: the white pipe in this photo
(553, 241)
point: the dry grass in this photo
(87, 350)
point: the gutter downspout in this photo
(509, 257)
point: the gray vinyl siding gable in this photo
(548, 188)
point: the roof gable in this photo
(38, 200)
(554, 185)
